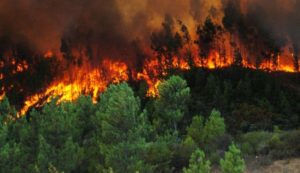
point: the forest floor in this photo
(280, 166)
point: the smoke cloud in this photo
(42, 24)
(123, 29)
(280, 18)
(114, 24)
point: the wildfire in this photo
(49, 54)
(269, 66)
(83, 80)
(2, 96)
(93, 81)
(22, 67)
(213, 61)
(154, 70)
(86, 73)
(68, 50)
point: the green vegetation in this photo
(232, 163)
(172, 103)
(180, 131)
(198, 164)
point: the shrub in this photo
(255, 142)
(288, 146)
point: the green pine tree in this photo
(122, 142)
(171, 104)
(233, 161)
(198, 164)
(214, 127)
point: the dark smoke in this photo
(123, 29)
(43, 23)
(277, 19)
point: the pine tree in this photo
(56, 144)
(196, 129)
(233, 162)
(171, 104)
(238, 59)
(198, 164)
(214, 127)
(122, 142)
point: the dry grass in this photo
(282, 166)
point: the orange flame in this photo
(83, 80)
(93, 81)
(49, 54)
(90, 79)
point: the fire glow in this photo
(93, 81)
(84, 80)
(91, 50)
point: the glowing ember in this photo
(49, 54)
(2, 96)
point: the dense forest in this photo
(149, 86)
(202, 120)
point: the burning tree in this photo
(207, 37)
(166, 43)
(296, 57)
(90, 49)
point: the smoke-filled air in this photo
(65, 48)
